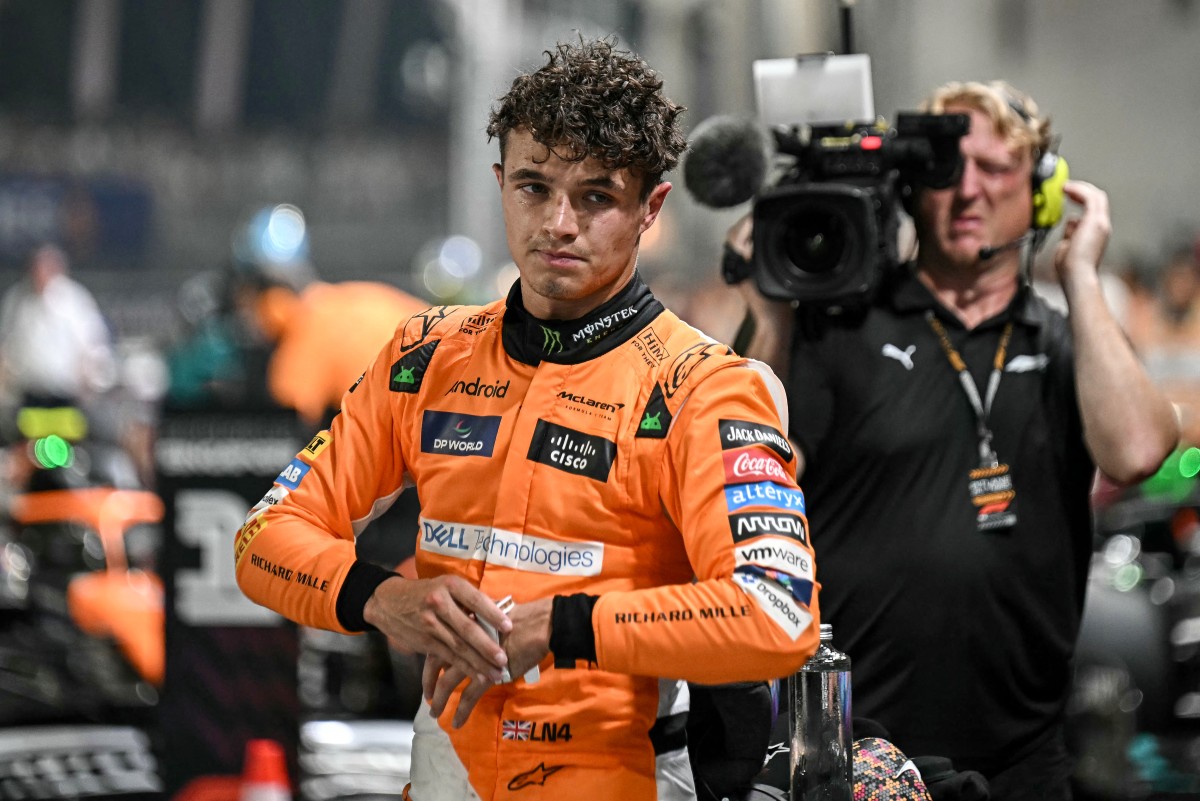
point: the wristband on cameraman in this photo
(735, 267)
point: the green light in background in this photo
(1189, 463)
(1127, 577)
(52, 451)
(1172, 482)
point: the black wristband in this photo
(735, 267)
(571, 634)
(361, 581)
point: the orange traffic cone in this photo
(264, 775)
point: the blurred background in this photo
(163, 144)
(139, 132)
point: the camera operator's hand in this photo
(773, 319)
(1085, 236)
(1128, 423)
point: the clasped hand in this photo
(440, 617)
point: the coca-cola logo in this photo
(745, 465)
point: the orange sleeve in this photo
(296, 548)
(729, 484)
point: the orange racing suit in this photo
(623, 464)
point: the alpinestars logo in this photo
(459, 434)
(689, 360)
(420, 324)
(551, 341)
(536, 776)
(572, 451)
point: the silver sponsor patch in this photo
(777, 603)
(511, 549)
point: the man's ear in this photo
(498, 169)
(654, 205)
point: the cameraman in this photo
(958, 600)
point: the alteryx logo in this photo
(459, 434)
(764, 493)
(748, 525)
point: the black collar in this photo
(910, 295)
(530, 340)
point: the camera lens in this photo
(815, 240)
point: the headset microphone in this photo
(986, 253)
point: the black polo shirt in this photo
(961, 640)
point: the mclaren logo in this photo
(583, 400)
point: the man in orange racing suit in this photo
(575, 446)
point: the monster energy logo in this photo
(551, 341)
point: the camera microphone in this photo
(727, 161)
(986, 252)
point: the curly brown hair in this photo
(591, 99)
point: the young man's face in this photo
(573, 227)
(991, 205)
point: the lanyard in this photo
(983, 408)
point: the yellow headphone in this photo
(1050, 173)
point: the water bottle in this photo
(822, 744)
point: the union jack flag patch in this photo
(516, 729)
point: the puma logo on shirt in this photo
(902, 356)
(1027, 364)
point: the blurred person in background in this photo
(1165, 331)
(275, 333)
(55, 345)
(57, 360)
(948, 434)
(576, 448)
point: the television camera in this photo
(825, 227)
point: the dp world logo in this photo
(459, 434)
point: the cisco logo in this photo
(572, 451)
